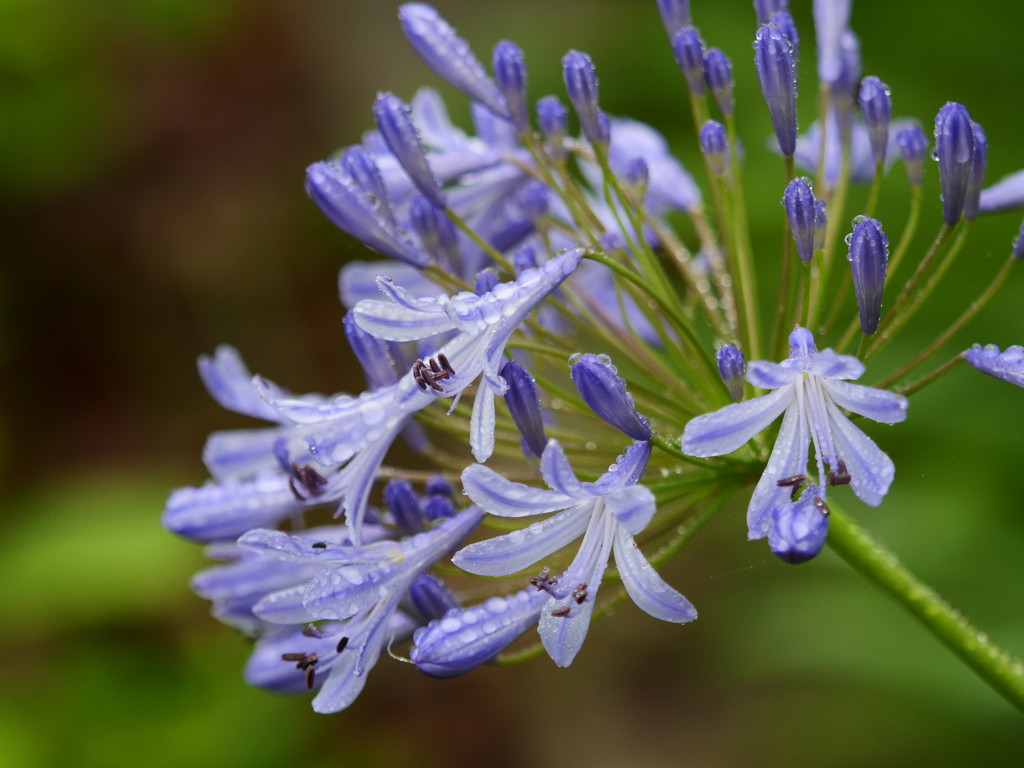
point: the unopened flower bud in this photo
(954, 146)
(581, 84)
(675, 14)
(777, 75)
(485, 281)
(524, 258)
(913, 144)
(718, 76)
(869, 257)
(535, 199)
(876, 107)
(431, 597)
(523, 401)
(510, 75)
(715, 145)
(439, 507)
(801, 211)
(787, 26)
(820, 224)
(601, 388)
(554, 123)
(373, 354)
(1008, 365)
(1018, 244)
(436, 485)
(976, 178)
(403, 506)
(732, 366)
(689, 52)
(397, 129)
(765, 8)
(358, 163)
(800, 528)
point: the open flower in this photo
(810, 388)
(607, 513)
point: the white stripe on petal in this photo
(789, 457)
(646, 588)
(493, 493)
(871, 470)
(876, 404)
(767, 375)
(558, 474)
(727, 429)
(633, 506)
(829, 365)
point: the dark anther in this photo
(295, 492)
(795, 482)
(308, 478)
(310, 676)
(429, 375)
(310, 630)
(341, 644)
(543, 580)
(839, 477)
(302, 660)
(820, 504)
(580, 594)
(293, 657)
(561, 612)
(319, 545)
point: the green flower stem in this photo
(924, 381)
(909, 230)
(785, 278)
(901, 319)
(879, 566)
(744, 251)
(489, 249)
(876, 187)
(824, 99)
(836, 203)
(960, 322)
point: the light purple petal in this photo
(357, 280)
(871, 470)
(240, 453)
(1005, 195)
(498, 496)
(284, 607)
(229, 383)
(789, 458)
(633, 506)
(829, 365)
(481, 423)
(628, 468)
(646, 588)
(831, 18)
(727, 429)
(517, 550)
(767, 375)
(558, 474)
(876, 404)
(300, 548)
(391, 321)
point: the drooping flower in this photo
(607, 513)
(810, 387)
(799, 528)
(732, 367)
(1007, 365)
(356, 589)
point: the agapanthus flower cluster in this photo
(544, 338)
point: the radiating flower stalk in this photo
(540, 334)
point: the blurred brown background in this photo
(151, 158)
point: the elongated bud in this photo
(876, 107)
(604, 129)
(485, 281)
(373, 354)
(732, 366)
(765, 8)
(801, 211)
(846, 86)
(1018, 244)
(787, 26)
(954, 145)
(1008, 365)
(403, 506)
(449, 55)
(553, 119)
(350, 209)
(976, 178)
(535, 199)
(913, 145)
(510, 75)
(439, 507)
(397, 129)
(820, 224)
(714, 145)
(869, 257)
(635, 176)
(601, 388)
(775, 70)
(436, 485)
(718, 76)
(675, 14)
(831, 19)
(800, 528)
(358, 163)
(431, 597)
(581, 85)
(523, 259)
(688, 49)
(426, 222)
(523, 401)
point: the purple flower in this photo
(831, 18)
(581, 84)
(523, 401)
(359, 165)
(777, 75)
(403, 139)
(820, 224)
(553, 120)
(976, 177)
(607, 513)
(800, 207)
(765, 8)
(688, 48)
(1018, 244)
(787, 27)
(1006, 194)
(431, 597)
(799, 528)
(954, 145)
(862, 161)
(1008, 365)
(449, 55)
(869, 257)
(510, 75)
(358, 585)
(810, 387)
(674, 15)
(715, 145)
(913, 146)
(718, 75)
(602, 388)
(732, 366)
(876, 106)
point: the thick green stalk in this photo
(879, 566)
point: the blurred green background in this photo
(151, 157)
